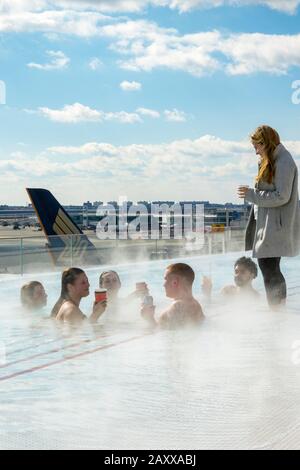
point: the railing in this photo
(35, 254)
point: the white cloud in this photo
(252, 53)
(175, 115)
(207, 157)
(71, 114)
(88, 149)
(148, 112)
(95, 63)
(286, 6)
(58, 61)
(78, 112)
(130, 86)
(106, 6)
(144, 46)
(123, 117)
(115, 6)
(75, 23)
(147, 46)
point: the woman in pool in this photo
(33, 296)
(273, 229)
(74, 286)
(110, 281)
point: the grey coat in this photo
(276, 232)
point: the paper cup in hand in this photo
(100, 295)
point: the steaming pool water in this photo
(232, 383)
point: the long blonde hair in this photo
(269, 139)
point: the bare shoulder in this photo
(166, 314)
(189, 306)
(182, 311)
(196, 311)
(198, 308)
(70, 312)
(169, 314)
(176, 307)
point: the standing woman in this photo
(273, 229)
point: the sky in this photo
(144, 99)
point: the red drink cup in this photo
(100, 295)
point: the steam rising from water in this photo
(230, 383)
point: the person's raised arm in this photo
(206, 287)
(138, 293)
(98, 310)
(148, 312)
(164, 320)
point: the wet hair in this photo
(183, 270)
(269, 139)
(27, 291)
(248, 263)
(101, 278)
(69, 276)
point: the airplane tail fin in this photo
(65, 241)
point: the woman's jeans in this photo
(275, 284)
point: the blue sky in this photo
(133, 98)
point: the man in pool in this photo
(33, 296)
(245, 271)
(185, 309)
